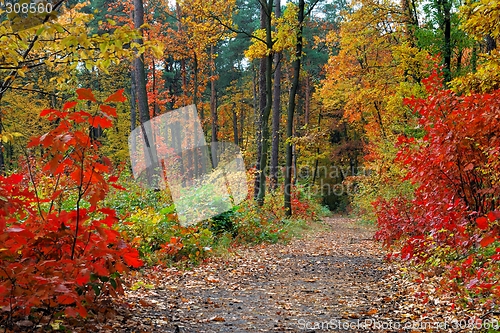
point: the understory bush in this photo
(59, 251)
(453, 217)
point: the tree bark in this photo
(291, 111)
(142, 96)
(213, 110)
(276, 111)
(267, 110)
(140, 72)
(262, 106)
(444, 7)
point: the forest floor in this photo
(332, 279)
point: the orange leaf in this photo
(85, 94)
(117, 97)
(110, 111)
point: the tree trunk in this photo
(213, 110)
(156, 108)
(307, 102)
(267, 110)
(235, 125)
(291, 111)
(140, 72)
(316, 161)
(195, 78)
(142, 96)
(444, 6)
(262, 106)
(491, 44)
(276, 111)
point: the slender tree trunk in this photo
(140, 72)
(445, 9)
(291, 111)
(133, 108)
(473, 60)
(316, 161)
(213, 110)
(235, 125)
(156, 108)
(195, 78)
(133, 97)
(276, 111)
(261, 109)
(142, 96)
(267, 110)
(491, 44)
(242, 125)
(307, 102)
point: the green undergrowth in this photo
(149, 222)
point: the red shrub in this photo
(455, 166)
(52, 258)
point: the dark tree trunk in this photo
(491, 44)
(261, 108)
(307, 102)
(195, 78)
(235, 125)
(444, 7)
(156, 108)
(133, 97)
(316, 161)
(140, 72)
(142, 96)
(291, 111)
(267, 110)
(276, 111)
(213, 111)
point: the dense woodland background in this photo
(385, 110)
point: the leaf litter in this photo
(333, 279)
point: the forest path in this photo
(334, 276)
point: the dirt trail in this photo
(332, 280)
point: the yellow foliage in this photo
(283, 38)
(481, 18)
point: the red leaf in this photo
(487, 240)
(71, 312)
(117, 97)
(132, 259)
(100, 270)
(103, 122)
(118, 187)
(85, 94)
(495, 215)
(46, 112)
(70, 105)
(33, 142)
(110, 111)
(65, 299)
(482, 223)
